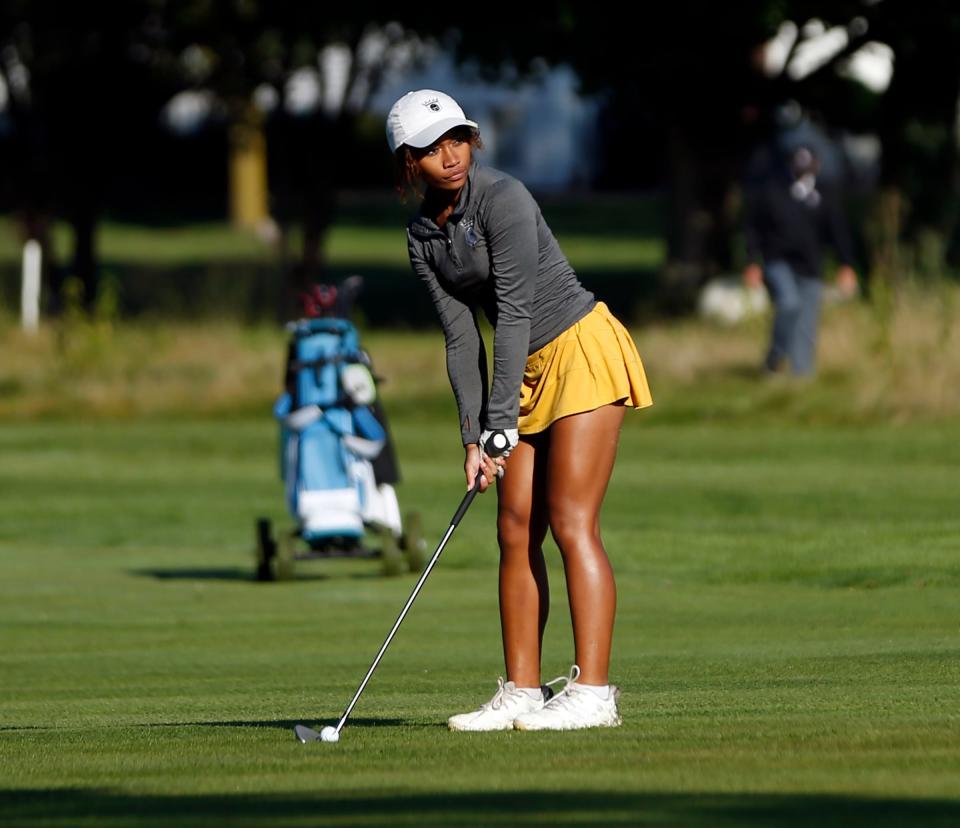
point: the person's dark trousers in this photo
(796, 318)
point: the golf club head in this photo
(326, 734)
(306, 734)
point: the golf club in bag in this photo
(495, 446)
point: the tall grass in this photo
(901, 364)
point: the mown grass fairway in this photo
(787, 637)
(788, 631)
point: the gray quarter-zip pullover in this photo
(497, 253)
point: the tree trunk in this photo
(85, 263)
(248, 170)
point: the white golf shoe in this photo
(498, 713)
(573, 708)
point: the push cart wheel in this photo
(392, 559)
(266, 550)
(412, 542)
(284, 566)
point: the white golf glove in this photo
(504, 440)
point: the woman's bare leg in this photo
(521, 528)
(582, 451)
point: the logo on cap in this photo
(433, 105)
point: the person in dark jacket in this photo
(564, 372)
(791, 216)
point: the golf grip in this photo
(491, 449)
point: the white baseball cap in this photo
(419, 118)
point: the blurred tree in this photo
(77, 96)
(87, 79)
(918, 121)
(293, 80)
(915, 117)
(687, 100)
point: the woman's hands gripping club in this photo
(486, 459)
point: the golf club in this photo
(495, 446)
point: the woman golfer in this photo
(564, 372)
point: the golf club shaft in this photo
(461, 511)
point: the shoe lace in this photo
(504, 693)
(497, 701)
(563, 698)
(548, 692)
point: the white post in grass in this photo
(30, 286)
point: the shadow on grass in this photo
(288, 724)
(272, 724)
(239, 574)
(114, 809)
(213, 574)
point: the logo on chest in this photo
(470, 234)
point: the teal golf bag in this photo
(335, 459)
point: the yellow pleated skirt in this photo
(591, 364)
